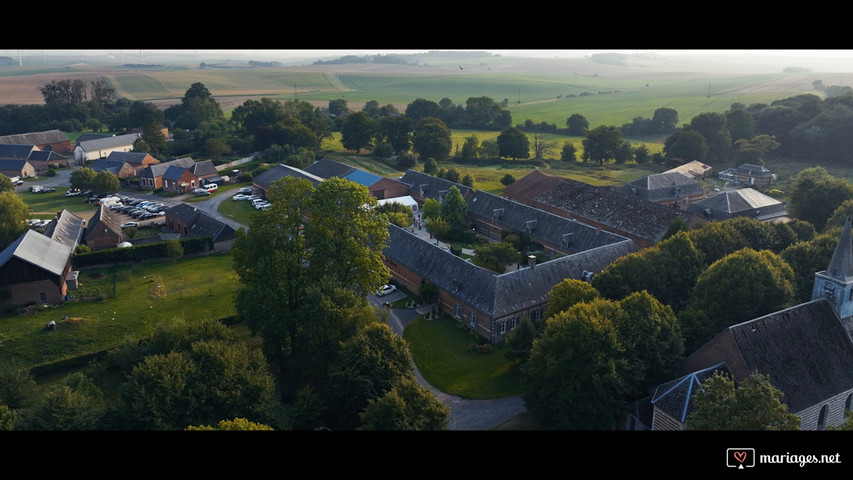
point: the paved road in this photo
(465, 414)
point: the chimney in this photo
(531, 261)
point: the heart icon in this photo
(740, 456)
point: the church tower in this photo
(835, 284)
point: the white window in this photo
(502, 327)
(821, 419)
(457, 310)
(472, 319)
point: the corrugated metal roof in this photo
(40, 251)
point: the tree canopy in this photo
(755, 404)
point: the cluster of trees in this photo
(693, 284)
(100, 183)
(306, 267)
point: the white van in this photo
(210, 187)
(107, 201)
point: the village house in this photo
(262, 183)
(88, 150)
(695, 170)
(18, 160)
(103, 229)
(151, 177)
(642, 221)
(190, 222)
(137, 161)
(17, 168)
(805, 351)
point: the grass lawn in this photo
(131, 305)
(45, 205)
(440, 350)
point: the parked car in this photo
(129, 224)
(73, 192)
(202, 193)
(386, 290)
(245, 190)
(239, 196)
(262, 205)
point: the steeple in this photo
(835, 284)
(841, 264)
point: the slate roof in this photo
(107, 166)
(202, 168)
(66, 229)
(174, 173)
(428, 186)
(13, 164)
(38, 250)
(741, 202)
(158, 169)
(675, 398)
(17, 152)
(36, 138)
(362, 178)
(46, 156)
(495, 295)
(326, 168)
(544, 226)
(108, 142)
(623, 213)
(132, 158)
(804, 350)
(280, 171)
(200, 223)
(104, 218)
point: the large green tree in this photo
(407, 406)
(453, 211)
(277, 260)
(431, 139)
(14, 213)
(815, 194)
(358, 131)
(602, 144)
(743, 285)
(755, 404)
(513, 143)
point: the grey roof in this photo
(495, 295)
(109, 142)
(106, 166)
(663, 186)
(132, 158)
(36, 138)
(541, 225)
(326, 168)
(66, 229)
(200, 223)
(280, 171)
(46, 156)
(428, 186)
(804, 350)
(675, 397)
(752, 169)
(174, 172)
(15, 151)
(38, 250)
(13, 164)
(202, 168)
(158, 169)
(623, 213)
(740, 202)
(104, 218)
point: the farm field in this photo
(540, 90)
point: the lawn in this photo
(129, 304)
(441, 351)
(45, 205)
